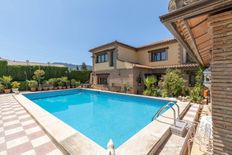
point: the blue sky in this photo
(64, 30)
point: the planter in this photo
(55, 88)
(68, 87)
(51, 88)
(15, 90)
(33, 89)
(64, 87)
(7, 91)
(45, 88)
(60, 87)
(40, 89)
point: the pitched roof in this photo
(135, 48)
(158, 43)
(111, 44)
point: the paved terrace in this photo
(19, 133)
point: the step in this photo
(175, 145)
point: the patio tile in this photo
(19, 132)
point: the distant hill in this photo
(71, 66)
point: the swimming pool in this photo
(100, 115)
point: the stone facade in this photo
(221, 25)
(133, 64)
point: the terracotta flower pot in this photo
(64, 87)
(60, 87)
(7, 91)
(40, 89)
(45, 88)
(33, 89)
(15, 90)
(68, 87)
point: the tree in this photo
(172, 84)
(83, 67)
(77, 68)
(39, 75)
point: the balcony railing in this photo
(176, 4)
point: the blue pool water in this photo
(98, 115)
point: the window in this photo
(102, 79)
(189, 59)
(159, 55)
(192, 80)
(112, 60)
(102, 58)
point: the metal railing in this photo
(174, 111)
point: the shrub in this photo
(62, 81)
(1, 87)
(53, 82)
(33, 84)
(73, 82)
(23, 85)
(15, 84)
(172, 83)
(45, 83)
(150, 88)
(77, 83)
(196, 93)
(6, 81)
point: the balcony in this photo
(177, 4)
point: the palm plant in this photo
(149, 83)
(6, 81)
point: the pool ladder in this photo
(174, 111)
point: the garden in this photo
(173, 84)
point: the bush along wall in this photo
(82, 76)
(22, 73)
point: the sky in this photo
(65, 30)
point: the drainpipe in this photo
(110, 148)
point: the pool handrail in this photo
(174, 111)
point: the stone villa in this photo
(117, 64)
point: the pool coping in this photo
(74, 142)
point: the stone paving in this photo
(19, 133)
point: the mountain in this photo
(71, 66)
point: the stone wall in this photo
(221, 27)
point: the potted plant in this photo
(77, 84)
(64, 82)
(33, 85)
(73, 83)
(45, 85)
(1, 88)
(6, 82)
(52, 83)
(39, 76)
(15, 86)
(68, 83)
(60, 83)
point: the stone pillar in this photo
(221, 29)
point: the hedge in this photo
(82, 76)
(21, 73)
